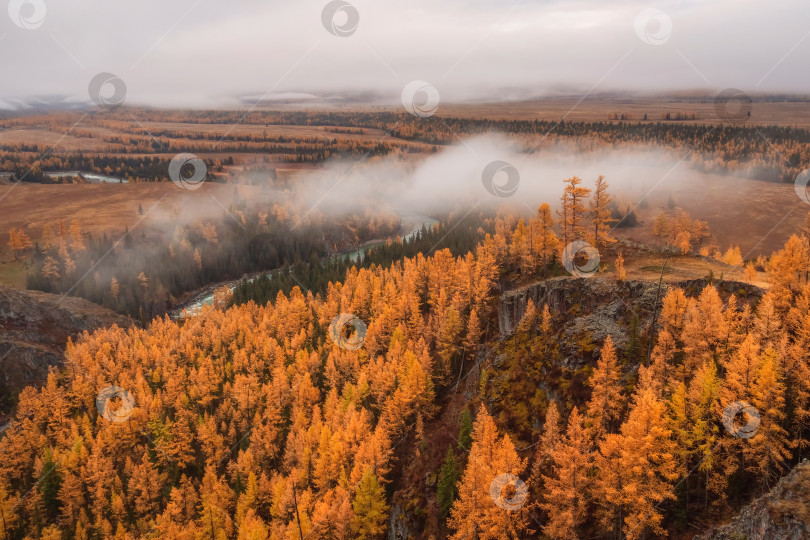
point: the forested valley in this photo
(135, 275)
(338, 409)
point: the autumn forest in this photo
(351, 270)
(259, 418)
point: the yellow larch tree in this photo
(608, 487)
(50, 270)
(48, 239)
(546, 244)
(520, 250)
(768, 321)
(606, 403)
(705, 329)
(370, 508)
(738, 326)
(76, 239)
(750, 272)
(683, 241)
(70, 265)
(740, 370)
(733, 256)
(788, 267)
(673, 311)
(663, 355)
(18, 241)
(702, 404)
(621, 273)
(797, 368)
(601, 216)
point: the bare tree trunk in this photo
(297, 517)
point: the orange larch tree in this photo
(491, 460)
(768, 452)
(572, 215)
(545, 244)
(606, 403)
(568, 484)
(601, 215)
(18, 241)
(646, 465)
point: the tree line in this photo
(773, 153)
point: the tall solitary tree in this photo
(573, 210)
(601, 216)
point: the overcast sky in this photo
(212, 52)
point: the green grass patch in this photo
(657, 269)
(13, 273)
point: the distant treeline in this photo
(144, 168)
(771, 153)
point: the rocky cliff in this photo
(782, 514)
(598, 307)
(588, 295)
(34, 328)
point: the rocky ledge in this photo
(781, 514)
(34, 328)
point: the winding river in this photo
(411, 226)
(91, 178)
